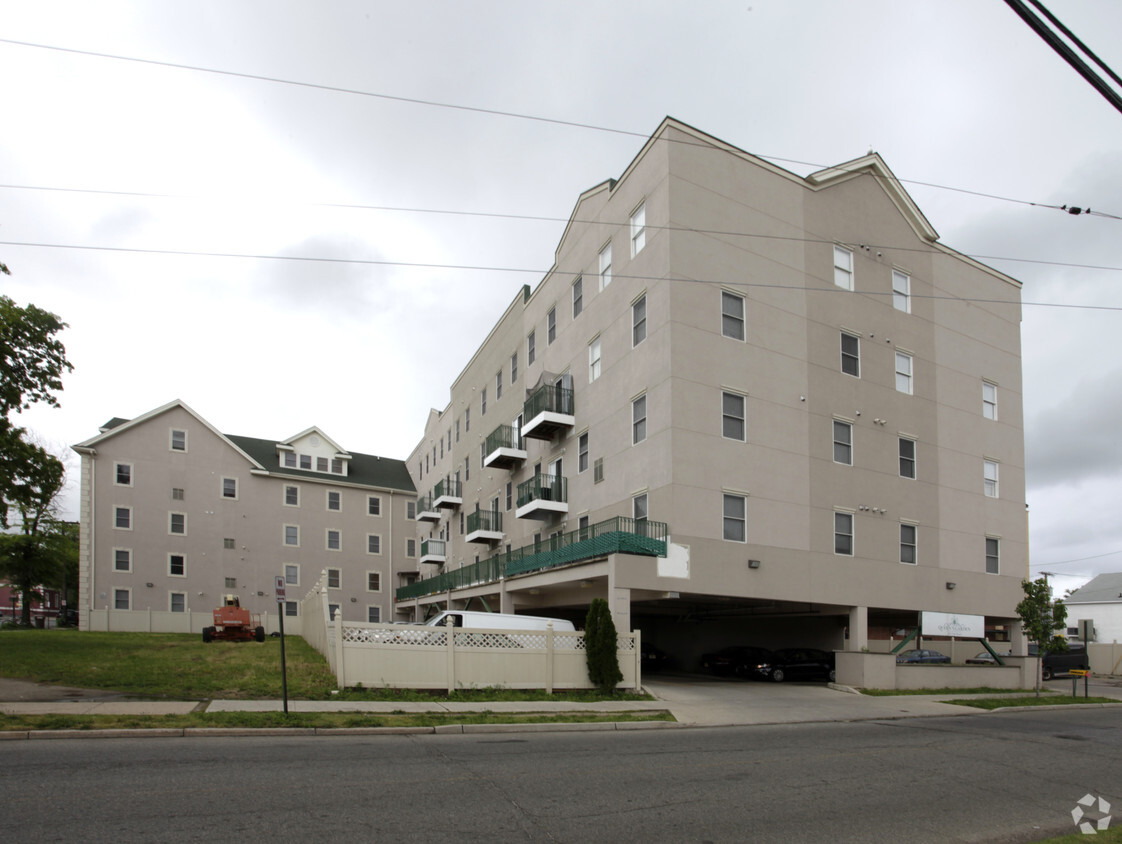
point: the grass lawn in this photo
(1028, 700)
(980, 690)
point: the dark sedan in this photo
(734, 661)
(921, 657)
(654, 659)
(797, 664)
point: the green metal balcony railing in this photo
(543, 488)
(504, 436)
(432, 547)
(490, 520)
(552, 398)
(450, 487)
(615, 536)
(424, 504)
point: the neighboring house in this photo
(175, 515)
(11, 606)
(1099, 601)
(817, 400)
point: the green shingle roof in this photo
(365, 469)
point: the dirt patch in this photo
(16, 691)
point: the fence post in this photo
(638, 660)
(340, 668)
(450, 662)
(549, 662)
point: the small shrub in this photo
(601, 647)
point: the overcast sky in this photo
(368, 337)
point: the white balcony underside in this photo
(484, 536)
(428, 516)
(504, 458)
(448, 501)
(546, 423)
(541, 508)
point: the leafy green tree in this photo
(1041, 618)
(601, 647)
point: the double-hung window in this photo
(907, 458)
(551, 326)
(593, 360)
(850, 355)
(735, 518)
(578, 296)
(993, 555)
(513, 375)
(908, 544)
(732, 416)
(989, 478)
(638, 229)
(582, 453)
(334, 541)
(843, 534)
(904, 373)
(901, 292)
(639, 321)
(843, 268)
(334, 500)
(989, 400)
(122, 518)
(606, 266)
(732, 315)
(229, 487)
(639, 420)
(177, 523)
(124, 474)
(843, 443)
(531, 353)
(498, 385)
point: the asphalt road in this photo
(1008, 777)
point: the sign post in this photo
(280, 614)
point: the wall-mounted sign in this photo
(953, 624)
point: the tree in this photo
(1041, 617)
(601, 647)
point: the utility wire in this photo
(497, 113)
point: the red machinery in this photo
(232, 622)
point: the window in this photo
(467, 468)
(606, 266)
(122, 559)
(177, 523)
(551, 326)
(732, 315)
(582, 526)
(639, 321)
(498, 385)
(321, 464)
(735, 517)
(901, 292)
(229, 487)
(336, 466)
(638, 420)
(411, 547)
(593, 360)
(907, 458)
(598, 470)
(482, 410)
(843, 268)
(231, 583)
(176, 493)
(457, 430)
(531, 353)
(513, 373)
(467, 419)
(178, 601)
(373, 505)
(292, 535)
(124, 474)
(638, 230)
(732, 416)
(639, 509)
(908, 544)
(373, 581)
(292, 496)
(228, 544)
(373, 543)
(904, 373)
(177, 565)
(374, 615)
(850, 355)
(291, 609)
(292, 574)
(334, 578)
(178, 440)
(993, 556)
(843, 533)
(509, 494)
(582, 453)
(334, 500)
(290, 459)
(122, 518)
(989, 475)
(843, 443)
(306, 462)
(121, 599)
(578, 297)
(334, 541)
(989, 400)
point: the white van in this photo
(498, 621)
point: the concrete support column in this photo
(1017, 640)
(619, 600)
(858, 629)
(506, 600)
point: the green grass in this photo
(1028, 700)
(318, 720)
(1111, 835)
(980, 690)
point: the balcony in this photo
(432, 551)
(548, 411)
(542, 496)
(447, 494)
(614, 536)
(484, 526)
(426, 511)
(504, 448)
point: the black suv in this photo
(1061, 662)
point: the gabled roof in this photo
(315, 430)
(1103, 589)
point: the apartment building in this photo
(175, 515)
(743, 405)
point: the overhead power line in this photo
(500, 113)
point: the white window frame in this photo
(284, 536)
(854, 356)
(733, 325)
(727, 417)
(842, 518)
(498, 385)
(377, 574)
(578, 296)
(594, 359)
(989, 400)
(182, 557)
(234, 483)
(177, 435)
(128, 559)
(373, 614)
(913, 459)
(606, 265)
(513, 377)
(990, 479)
(847, 444)
(289, 460)
(127, 593)
(582, 453)
(117, 512)
(337, 576)
(995, 556)
(551, 326)
(337, 535)
(171, 601)
(531, 355)
(411, 547)
(117, 467)
(734, 519)
(913, 544)
(639, 419)
(338, 499)
(171, 523)
(292, 609)
(639, 321)
(901, 291)
(374, 506)
(294, 570)
(284, 497)
(904, 368)
(640, 508)
(843, 267)
(378, 538)
(638, 229)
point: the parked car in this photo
(921, 656)
(984, 658)
(1061, 662)
(654, 659)
(797, 664)
(736, 660)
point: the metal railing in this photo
(504, 436)
(450, 487)
(618, 535)
(490, 520)
(433, 547)
(424, 504)
(552, 398)
(543, 488)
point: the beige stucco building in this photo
(789, 381)
(175, 515)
